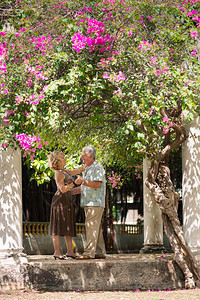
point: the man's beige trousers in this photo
(94, 238)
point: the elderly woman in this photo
(62, 216)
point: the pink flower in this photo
(153, 60)
(165, 119)
(4, 145)
(10, 112)
(166, 130)
(6, 121)
(193, 33)
(193, 52)
(106, 76)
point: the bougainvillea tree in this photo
(121, 74)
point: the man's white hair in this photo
(90, 150)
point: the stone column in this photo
(153, 224)
(191, 186)
(12, 258)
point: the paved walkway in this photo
(116, 295)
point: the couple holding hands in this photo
(92, 187)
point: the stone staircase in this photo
(116, 272)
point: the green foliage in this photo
(76, 104)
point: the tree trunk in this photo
(159, 182)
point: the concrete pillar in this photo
(153, 224)
(12, 258)
(191, 186)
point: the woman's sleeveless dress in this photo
(62, 215)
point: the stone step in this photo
(116, 272)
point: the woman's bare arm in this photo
(59, 178)
(79, 170)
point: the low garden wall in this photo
(126, 238)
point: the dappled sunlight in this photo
(11, 201)
(191, 185)
(116, 272)
(153, 224)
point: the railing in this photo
(127, 229)
(41, 228)
(35, 228)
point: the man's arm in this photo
(91, 184)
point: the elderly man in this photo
(93, 191)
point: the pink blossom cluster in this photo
(97, 29)
(145, 45)
(79, 42)
(29, 144)
(20, 31)
(32, 99)
(4, 90)
(137, 175)
(193, 13)
(139, 150)
(194, 52)
(141, 20)
(3, 53)
(115, 180)
(105, 62)
(153, 59)
(193, 33)
(17, 3)
(60, 6)
(161, 71)
(110, 2)
(36, 72)
(190, 1)
(167, 127)
(84, 10)
(119, 91)
(8, 113)
(137, 172)
(118, 78)
(41, 43)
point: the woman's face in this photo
(63, 160)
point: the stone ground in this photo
(96, 295)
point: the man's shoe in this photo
(83, 257)
(100, 256)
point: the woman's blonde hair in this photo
(54, 160)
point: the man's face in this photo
(87, 159)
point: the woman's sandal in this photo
(60, 257)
